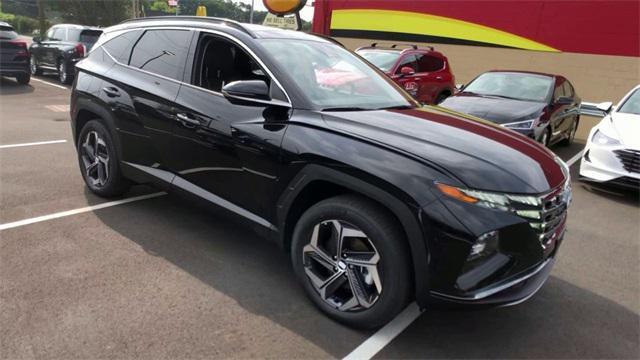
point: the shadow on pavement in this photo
(8, 86)
(233, 260)
(561, 322)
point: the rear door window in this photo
(568, 89)
(162, 52)
(58, 34)
(427, 63)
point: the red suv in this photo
(423, 72)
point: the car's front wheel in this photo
(34, 68)
(63, 74)
(353, 261)
(99, 162)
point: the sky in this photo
(306, 13)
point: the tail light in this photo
(80, 50)
(22, 46)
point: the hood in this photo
(498, 110)
(478, 153)
(627, 127)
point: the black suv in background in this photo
(377, 199)
(14, 56)
(61, 48)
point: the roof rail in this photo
(214, 20)
(395, 46)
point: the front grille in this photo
(630, 159)
(626, 182)
(545, 213)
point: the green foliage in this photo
(22, 24)
(94, 12)
(160, 5)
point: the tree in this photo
(95, 12)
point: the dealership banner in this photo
(607, 27)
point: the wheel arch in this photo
(87, 110)
(315, 183)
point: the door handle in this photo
(187, 121)
(438, 77)
(111, 91)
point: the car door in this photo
(140, 89)
(409, 82)
(227, 151)
(559, 113)
(51, 46)
(431, 79)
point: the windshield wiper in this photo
(395, 107)
(503, 97)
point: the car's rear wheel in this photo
(572, 133)
(23, 79)
(352, 260)
(34, 68)
(99, 163)
(545, 137)
(63, 74)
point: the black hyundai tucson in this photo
(378, 200)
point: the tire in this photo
(104, 178)
(387, 284)
(545, 138)
(34, 68)
(440, 98)
(23, 79)
(63, 75)
(572, 133)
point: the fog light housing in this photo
(485, 245)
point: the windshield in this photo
(529, 87)
(384, 60)
(632, 104)
(333, 78)
(7, 33)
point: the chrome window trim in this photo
(215, 32)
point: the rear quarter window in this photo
(120, 46)
(162, 52)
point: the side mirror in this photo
(406, 70)
(37, 39)
(606, 106)
(459, 87)
(564, 100)
(247, 90)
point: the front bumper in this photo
(600, 164)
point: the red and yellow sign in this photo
(284, 7)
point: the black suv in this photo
(61, 48)
(14, 56)
(378, 200)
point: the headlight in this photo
(485, 199)
(601, 139)
(521, 125)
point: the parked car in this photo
(541, 106)
(422, 72)
(612, 153)
(377, 199)
(14, 56)
(61, 48)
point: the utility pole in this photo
(251, 13)
(41, 18)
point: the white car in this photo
(612, 153)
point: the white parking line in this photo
(77, 211)
(575, 158)
(384, 336)
(32, 144)
(49, 83)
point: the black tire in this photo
(115, 184)
(389, 241)
(545, 138)
(572, 133)
(440, 98)
(23, 79)
(34, 68)
(63, 73)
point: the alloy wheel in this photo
(341, 263)
(95, 158)
(33, 67)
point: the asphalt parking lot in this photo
(157, 278)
